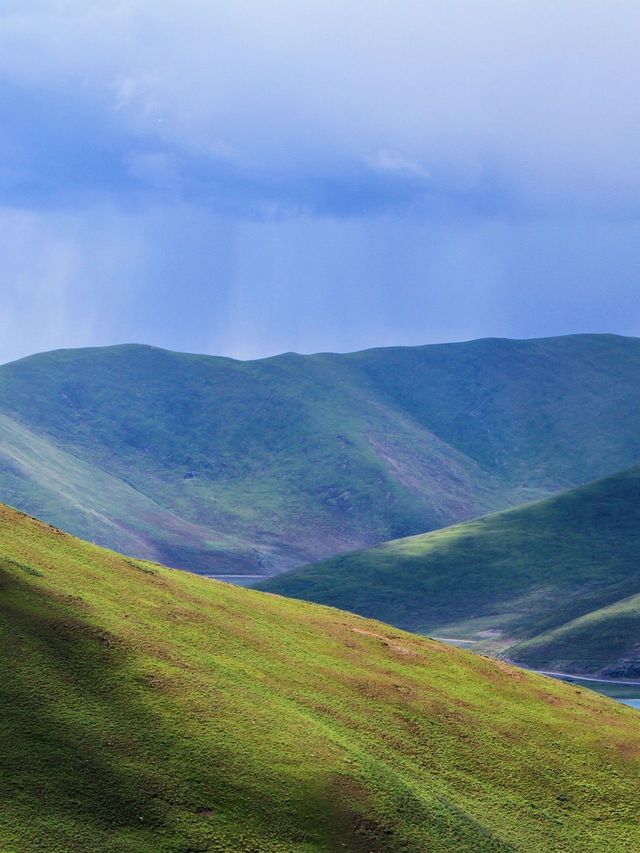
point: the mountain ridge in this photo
(216, 464)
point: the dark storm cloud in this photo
(251, 176)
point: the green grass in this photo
(620, 690)
(543, 583)
(220, 465)
(143, 709)
(606, 640)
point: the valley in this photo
(319, 427)
(552, 585)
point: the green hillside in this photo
(143, 709)
(535, 573)
(220, 465)
(606, 640)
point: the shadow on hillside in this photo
(70, 720)
(81, 740)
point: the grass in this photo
(143, 709)
(606, 640)
(225, 466)
(548, 584)
(621, 690)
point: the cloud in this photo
(387, 161)
(530, 102)
(249, 176)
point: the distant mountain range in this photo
(224, 466)
(554, 585)
(149, 710)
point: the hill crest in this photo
(227, 466)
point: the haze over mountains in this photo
(224, 466)
(147, 710)
(554, 585)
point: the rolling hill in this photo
(226, 466)
(606, 640)
(550, 584)
(143, 709)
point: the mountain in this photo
(550, 584)
(144, 709)
(226, 466)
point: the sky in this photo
(247, 177)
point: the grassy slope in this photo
(38, 474)
(144, 709)
(523, 573)
(270, 464)
(606, 640)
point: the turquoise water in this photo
(635, 703)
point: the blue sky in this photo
(250, 177)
